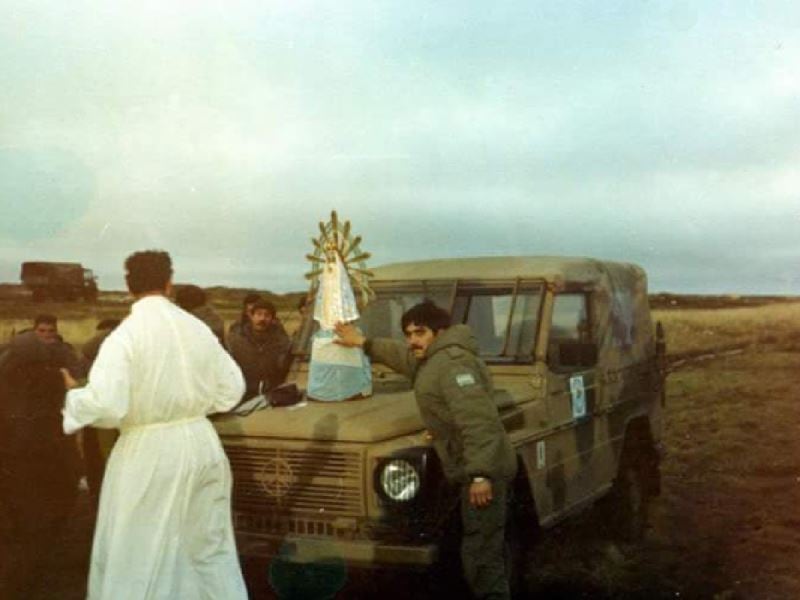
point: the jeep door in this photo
(578, 452)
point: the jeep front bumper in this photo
(357, 553)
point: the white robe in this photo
(164, 526)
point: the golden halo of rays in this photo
(336, 237)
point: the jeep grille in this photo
(308, 481)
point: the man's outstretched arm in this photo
(393, 353)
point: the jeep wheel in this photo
(629, 504)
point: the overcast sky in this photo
(661, 133)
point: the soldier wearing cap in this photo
(453, 388)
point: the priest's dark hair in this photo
(426, 314)
(148, 271)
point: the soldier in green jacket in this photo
(453, 388)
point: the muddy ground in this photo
(726, 526)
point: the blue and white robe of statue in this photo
(336, 372)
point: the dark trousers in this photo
(483, 544)
(37, 495)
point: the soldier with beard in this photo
(261, 349)
(453, 388)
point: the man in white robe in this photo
(164, 526)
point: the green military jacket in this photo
(454, 390)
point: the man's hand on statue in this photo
(348, 335)
(480, 493)
(69, 380)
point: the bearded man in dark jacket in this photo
(39, 465)
(453, 388)
(261, 349)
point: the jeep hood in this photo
(377, 418)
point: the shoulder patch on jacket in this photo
(465, 379)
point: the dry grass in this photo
(698, 330)
(732, 476)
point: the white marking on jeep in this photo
(578, 393)
(541, 455)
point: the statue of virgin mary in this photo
(336, 372)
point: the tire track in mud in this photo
(683, 360)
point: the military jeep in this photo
(578, 373)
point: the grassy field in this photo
(695, 331)
(727, 524)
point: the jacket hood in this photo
(456, 335)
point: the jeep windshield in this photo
(503, 315)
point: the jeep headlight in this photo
(400, 480)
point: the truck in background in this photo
(59, 281)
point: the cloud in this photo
(42, 189)
(224, 131)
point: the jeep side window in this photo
(502, 335)
(381, 318)
(487, 316)
(524, 325)
(570, 344)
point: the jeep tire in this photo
(629, 503)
